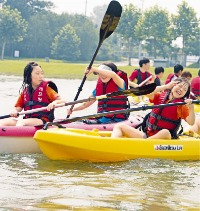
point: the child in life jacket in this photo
(163, 122)
(159, 72)
(195, 87)
(35, 93)
(178, 69)
(110, 80)
(140, 74)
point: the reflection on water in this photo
(32, 182)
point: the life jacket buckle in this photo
(158, 117)
(154, 127)
(31, 103)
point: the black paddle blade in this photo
(110, 20)
(147, 89)
(144, 90)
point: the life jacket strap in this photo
(33, 103)
(159, 117)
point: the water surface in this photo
(32, 182)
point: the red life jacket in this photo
(195, 86)
(38, 99)
(139, 76)
(169, 78)
(114, 103)
(164, 118)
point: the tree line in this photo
(30, 27)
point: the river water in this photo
(32, 182)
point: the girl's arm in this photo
(81, 107)
(191, 118)
(15, 111)
(107, 73)
(162, 88)
(134, 85)
(18, 106)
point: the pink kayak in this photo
(15, 139)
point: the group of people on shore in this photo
(36, 92)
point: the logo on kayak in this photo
(169, 147)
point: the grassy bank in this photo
(57, 69)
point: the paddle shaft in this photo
(89, 67)
(146, 80)
(84, 78)
(139, 108)
(144, 90)
(114, 8)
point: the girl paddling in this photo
(163, 123)
(35, 93)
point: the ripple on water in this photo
(32, 182)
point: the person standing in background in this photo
(195, 85)
(187, 74)
(178, 69)
(141, 74)
(159, 72)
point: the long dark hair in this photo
(27, 75)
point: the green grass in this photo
(58, 69)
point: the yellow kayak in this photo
(135, 100)
(98, 146)
(197, 108)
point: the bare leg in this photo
(121, 129)
(8, 122)
(29, 122)
(196, 127)
(163, 134)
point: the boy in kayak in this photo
(163, 123)
(187, 74)
(140, 74)
(34, 93)
(159, 72)
(195, 86)
(110, 80)
(178, 69)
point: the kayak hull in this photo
(197, 108)
(15, 139)
(92, 146)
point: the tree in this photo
(185, 25)
(87, 32)
(126, 27)
(154, 28)
(12, 27)
(98, 14)
(28, 7)
(41, 32)
(66, 44)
